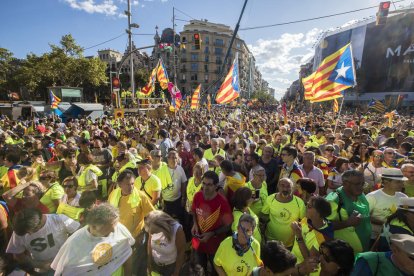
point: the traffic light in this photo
(382, 13)
(115, 82)
(197, 41)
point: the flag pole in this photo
(339, 114)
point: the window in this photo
(194, 77)
(218, 60)
(183, 78)
(206, 40)
(206, 77)
(238, 45)
(218, 51)
(194, 66)
(206, 67)
(206, 59)
(206, 50)
(219, 42)
(194, 57)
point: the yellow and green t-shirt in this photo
(281, 215)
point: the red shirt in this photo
(20, 206)
(210, 215)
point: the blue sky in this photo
(31, 25)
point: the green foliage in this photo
(264, 97)
(6, 58)
(64, 65)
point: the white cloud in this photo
(106, 7)
(279, 59)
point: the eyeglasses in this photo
(68, 186)
(378, 156)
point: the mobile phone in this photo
(257, 194)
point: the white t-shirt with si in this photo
(45, 243)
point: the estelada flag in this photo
(195, 100)
(54, 100)
(335, 74)
(230, 88)
(150, 87)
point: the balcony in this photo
(183, 81)
(219, 44)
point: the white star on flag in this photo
(342, 71)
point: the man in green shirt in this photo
(350, 212)
(398, 261)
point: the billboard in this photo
(383, 55)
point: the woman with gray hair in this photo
(100, 248)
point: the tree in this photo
(65, 65)
(264, 97)
(6, 58)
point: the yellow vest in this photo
(82, 177)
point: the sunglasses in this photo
(68, 186)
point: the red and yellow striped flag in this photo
(196, 98)
(335, 106)
(162, 75)
(208, 102)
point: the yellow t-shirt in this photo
(163, 174)
(312, 239)
(257, 204)
(208, 154)
(233, 264)
(153, 184)
(281, 215)
(236, 217)
(55, 192)
(133, 218)
(192, 189)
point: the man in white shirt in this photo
(174, 194)
(384, 202)
(312, 172)
(198, 156)
(37, 238)
(100, 248)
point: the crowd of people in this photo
(208, 193)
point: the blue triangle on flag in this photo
(343, 73)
